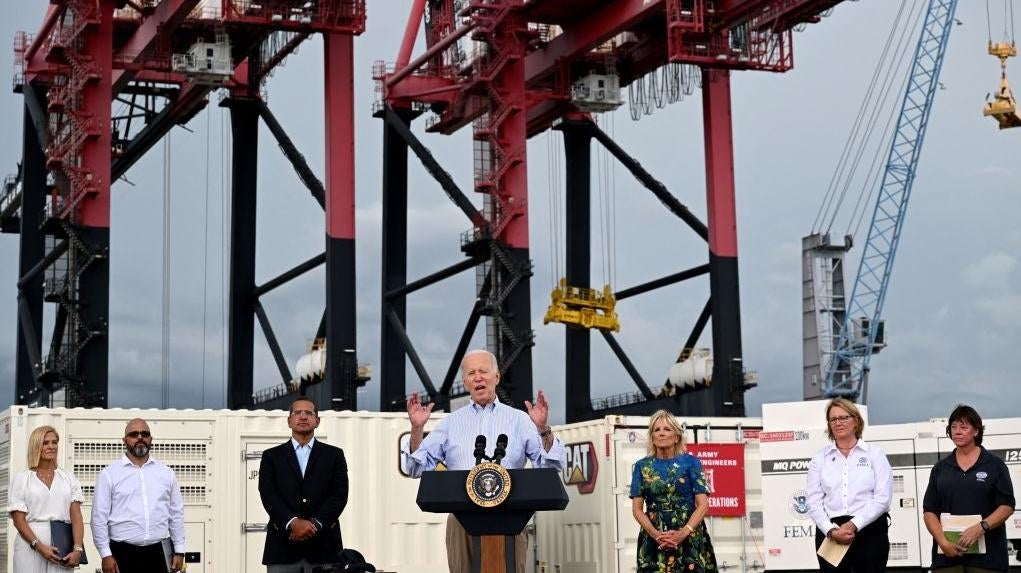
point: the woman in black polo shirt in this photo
(969, 481)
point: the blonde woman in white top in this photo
(39, 495)
(849, 489)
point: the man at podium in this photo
(453, 442)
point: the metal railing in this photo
(626, 398)
(271, 393)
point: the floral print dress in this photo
(669, 487)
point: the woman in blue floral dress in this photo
(669, 501)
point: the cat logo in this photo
(580, 466)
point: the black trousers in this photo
(869, 551)
(139, 558)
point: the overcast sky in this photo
(953, 311)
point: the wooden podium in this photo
(493, 528)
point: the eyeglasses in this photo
(298, 413)
(138, 434)
(839, 419)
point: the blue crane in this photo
(861, 335)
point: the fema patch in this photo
(798, 504)
(863, 462)
(981, 476)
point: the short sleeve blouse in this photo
(30, 495)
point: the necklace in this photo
(45, 476)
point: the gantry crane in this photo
(511, 69)
(162, 59)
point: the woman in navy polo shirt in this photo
(969, 481)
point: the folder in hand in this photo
(168, 554)
(954, 526)
(62, 538)
(832, 552)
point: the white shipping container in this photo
(216, 455)
(598, 534)
(794, 432)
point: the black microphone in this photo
(501, 448)
(480, 448)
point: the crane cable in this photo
(165, 317)
(872, 103)
(205, 255)
(609, 181)
(613, 204)
(553, 185)
(1011, 4)
(871, 182)
(876, 100)
(989, 22)
(548, 137)
(1008, 22)
(600, 209)
(1011, 22)
(606, 196)
(876, 170)
(1008, 19)
(225, 185)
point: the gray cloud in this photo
(990, 273)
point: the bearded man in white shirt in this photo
(138, 511)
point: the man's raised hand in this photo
(539, 413)
(417, 413)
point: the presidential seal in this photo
(488, 484)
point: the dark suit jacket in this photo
(320, 495)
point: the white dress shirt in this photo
(137, 505)
(303, 453)
(860, 485)
(453, 440)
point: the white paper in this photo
(832, 551)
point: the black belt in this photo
(129, 545)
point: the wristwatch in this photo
(833, 527)
(34, 543)
(984, 524)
